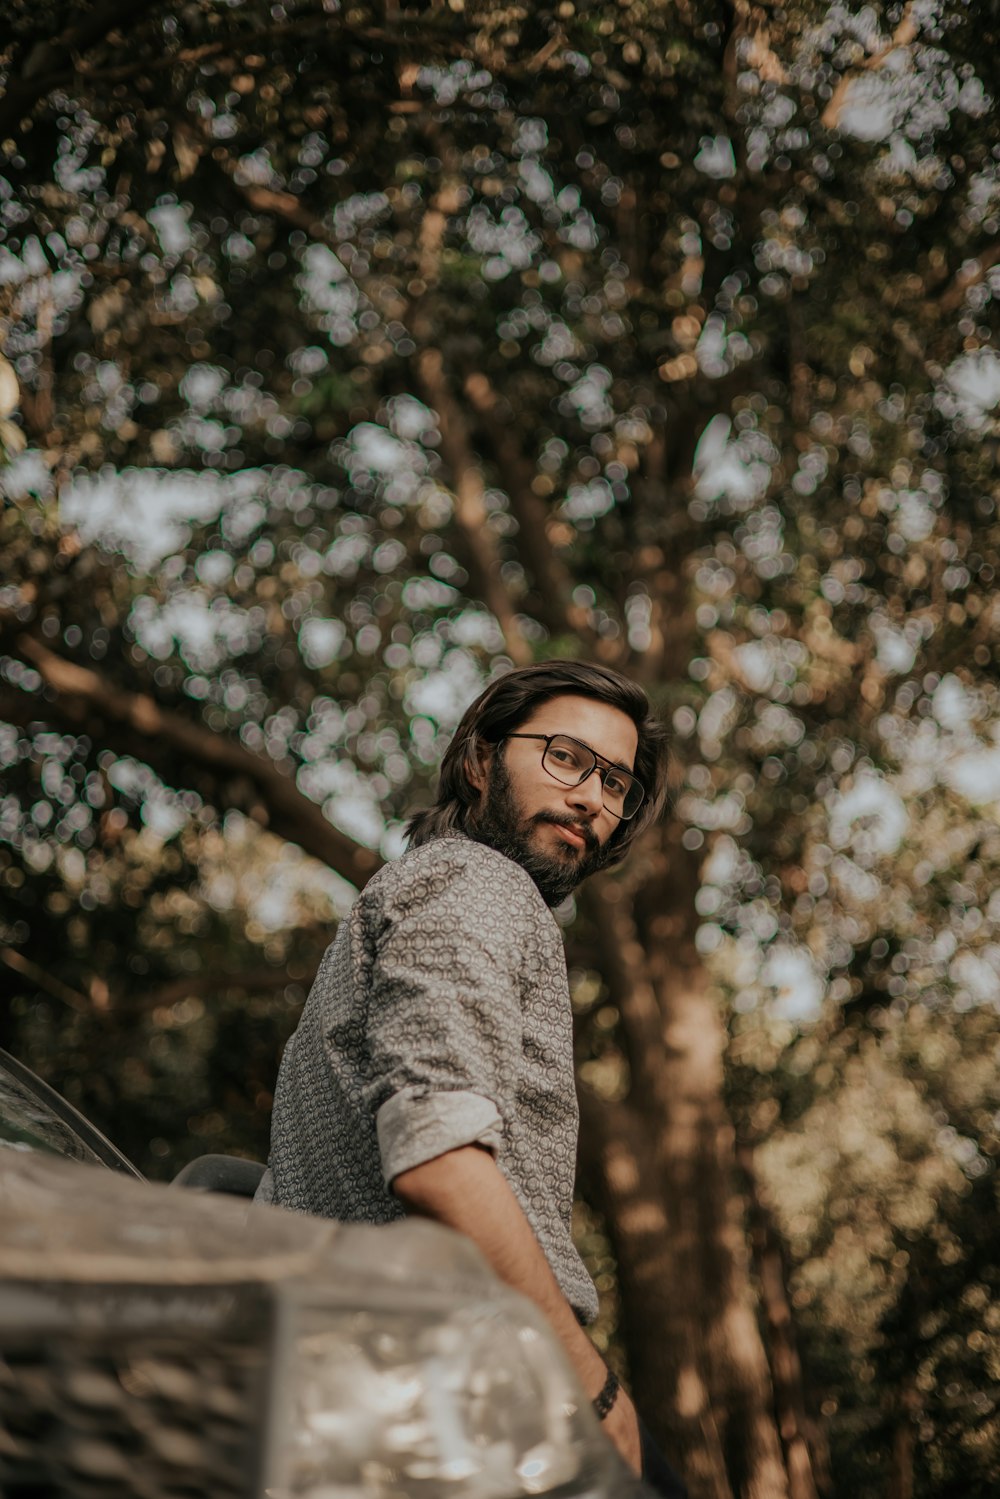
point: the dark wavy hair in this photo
(501, 710)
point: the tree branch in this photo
(253, 981)
(136, 723)
(970, 274)
(625, 971)
(59, 63)
(905, 33)
(470, 503)
(470, 507)
(47, 64)
(51, 985)
(552, 577)
(259, 41)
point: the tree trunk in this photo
(664, 1166)
(901, 1478)
(660, 1325)
(806, 1475)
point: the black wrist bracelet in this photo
(603, 1402)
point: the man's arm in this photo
(466, 1190)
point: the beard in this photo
(500, 823)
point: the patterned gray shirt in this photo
(440, 1017)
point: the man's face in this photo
(558, 833)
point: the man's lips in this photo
(572, 836)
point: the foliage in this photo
(364, 352)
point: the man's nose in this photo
(589, 795)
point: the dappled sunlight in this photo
(330, 391)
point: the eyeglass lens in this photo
(571, 762)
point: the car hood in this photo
(72, 1223)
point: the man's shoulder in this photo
(475, 871)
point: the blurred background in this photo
(353, 354)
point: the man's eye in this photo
(563, 756)
(615, 785)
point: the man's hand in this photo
(466, 1190)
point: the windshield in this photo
(34, 1117)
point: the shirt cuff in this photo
(415, 1126)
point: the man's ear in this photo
(477, 764)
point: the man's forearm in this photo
(466, 1190)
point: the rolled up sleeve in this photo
(444, 1022)
(414, 1127)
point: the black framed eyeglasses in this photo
(569, 761)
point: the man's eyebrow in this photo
(619, 765)
(613, 764)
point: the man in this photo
(432, 1069)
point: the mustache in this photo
(586, 833)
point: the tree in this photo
(457, 338)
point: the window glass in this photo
(27, 1123)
